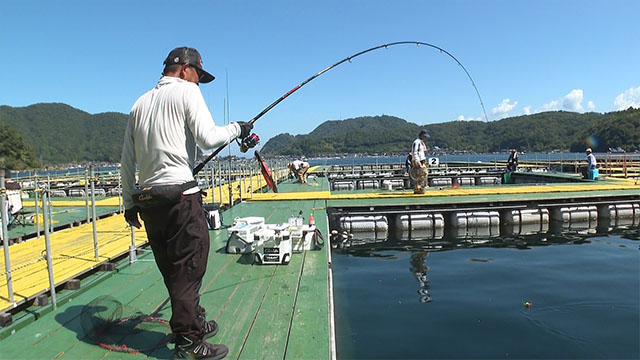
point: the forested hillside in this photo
(60, 133)
(45, 134)
(548, 131)
(360, 135)
(14, 153)
(616, 129)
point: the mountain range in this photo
(59, 133)
(547, 131)
(55, 133)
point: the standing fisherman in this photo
(419, 162)
(164, 127)
(512, 161)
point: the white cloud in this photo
(629, 98)
(527, 110)
(573, 100)
(503, 109)
(591, 106)
(463, 118)
(552, 106)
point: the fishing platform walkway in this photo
(263, 311)
(71, 212)
(272, 311)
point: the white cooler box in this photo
(242, 239)
(274, 246)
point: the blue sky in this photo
(524, 56)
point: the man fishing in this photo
(299, 168)
(419, 162)
(591, 164)
(512, 161)
(164, 127)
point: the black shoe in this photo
(210, 328)
(187, 348)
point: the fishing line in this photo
(349, 58)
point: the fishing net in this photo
(418, 174)
(118, 327)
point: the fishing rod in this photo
(252, 140)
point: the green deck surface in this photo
(263, 311)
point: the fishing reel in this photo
(249, 142)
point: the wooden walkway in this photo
(72, 253)
(264, 311)
(72, 249)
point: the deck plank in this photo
(57, 333)
(308, 337)
(268, 336)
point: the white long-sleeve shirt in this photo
(298, 164)
(591, 161)
(165, 124)
(419, 150)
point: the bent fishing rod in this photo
(297, 87)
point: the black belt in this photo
(152, 196)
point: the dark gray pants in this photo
(179, 238)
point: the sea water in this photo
(549, 296)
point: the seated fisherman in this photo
(591, 164)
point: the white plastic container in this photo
(343, 185)
(575, 214)
(394, 183)
(466, 181)
(364, 223)
(616, 215)
(525, 216)
(368, 184)
(474, 219)
(98, 192)
(58, 193)
(77, 193)
(441, 181)
(619, 211)
(488, 180)
(474, 232)
(419, 221)
(422, 234)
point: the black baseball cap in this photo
(191, 56)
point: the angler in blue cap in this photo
(419, 162)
